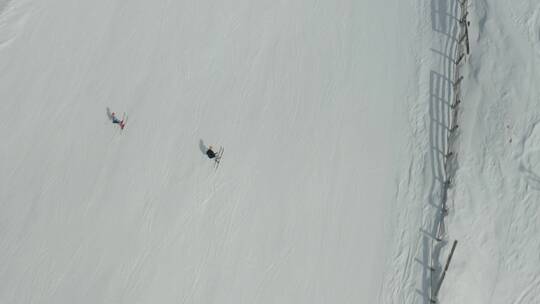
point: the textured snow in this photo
(495, 201)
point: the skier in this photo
(210, 153)
(115, 120)
(216, 156)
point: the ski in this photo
(218, 156)
(123, 122)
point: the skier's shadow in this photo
(109, 114)
(202, 147)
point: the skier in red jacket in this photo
(115, 120)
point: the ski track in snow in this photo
(13, 17)
(530, 158)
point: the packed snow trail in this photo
(309, 97)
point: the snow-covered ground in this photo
(333, 115)
(307, 98)
(495, 204)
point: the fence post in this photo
(436, 293)
(458, 81)
(464, 17)
(467, 37)
(460, 58)
(463, 21)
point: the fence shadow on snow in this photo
(448, 19)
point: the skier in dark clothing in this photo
(210, 153)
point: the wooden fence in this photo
(462, 51)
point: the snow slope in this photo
(334, 117)
(495, 201)
(495, 172)
(310, 99)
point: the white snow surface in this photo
(306, 97)
(495, 204)
(333, 116)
